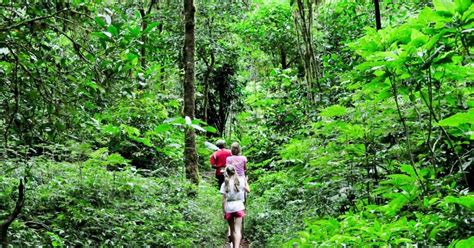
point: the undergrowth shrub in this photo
(87, 204)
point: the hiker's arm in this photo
(223, 203)
(245, 163)
(247, 187)
(212, 160)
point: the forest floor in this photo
(243, 244)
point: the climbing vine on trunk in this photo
(190, 155)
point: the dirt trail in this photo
(243, 244)
(209, 176)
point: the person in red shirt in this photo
(218, 161)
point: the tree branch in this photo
(77, 47)
(6, 223)
(31, 20)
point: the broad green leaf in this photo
(113, 30)
(408, 169)
(446, 6)
(210, 129)
(91, 84)
(131, 131)
(441, 227)
(134, 32)
(466, 201)
(395, 205)
(333, 111)
(162, 128)
(175, 120)
(197, 127)
(379, 73)
(418, 39)
(403, 240)
(145, 141)
(99, 21)
(116, 159)
(465, 243)
(110, 129)
(468, 15)
(462, 5)
(150, 27)
(458, 119)
(101, 35)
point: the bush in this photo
(84, 204)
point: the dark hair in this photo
(220, 144)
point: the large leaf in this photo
(333, 111)
(150, 27)
(465, 243)
(113, 30)
(466, 201)
(462, 5)
(458, 119)
(162, 128)
(418, 38)
(444, 6)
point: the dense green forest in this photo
(356, 116)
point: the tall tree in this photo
(303, 17)
(190, 155)
(378, 22)
(145, 18)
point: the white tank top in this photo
(234, 200)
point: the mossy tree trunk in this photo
(190, 155)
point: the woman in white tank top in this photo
(233, 195)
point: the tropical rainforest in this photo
(356, 116)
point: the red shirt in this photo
(219, 159)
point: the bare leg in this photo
(231, 229)
(236, 232)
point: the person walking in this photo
(233, 193)
(237, 160)
(218, 161)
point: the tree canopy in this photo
(356, 134)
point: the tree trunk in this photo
(284, 64)
(16, 211)
(144, 17)
(206, 95)
(190, 155)
(378, 22)
(144, 14)
(207, 74)
(303, 17)
(222, 112)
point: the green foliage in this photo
(271, 29)
(384, 159)
(387, 224)
(333, 111)
(91, 116)
(463, 243)
(84, 204)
